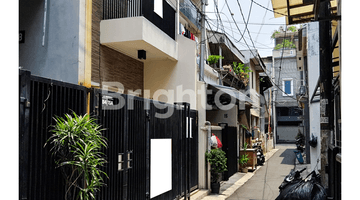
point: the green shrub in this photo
(217, 160)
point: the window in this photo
(287, 87)
(158, 7)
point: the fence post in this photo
(24, 129)
(147, 128)
(125, 143)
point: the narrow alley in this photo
(265, 182)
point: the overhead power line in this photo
(257, 58)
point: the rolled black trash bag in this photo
(304, 190)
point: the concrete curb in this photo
(233, 186)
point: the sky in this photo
(261, 23)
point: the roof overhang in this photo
(232, 92)
(301, 11)
(229, 50)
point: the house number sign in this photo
(21, 36)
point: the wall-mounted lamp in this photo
(142, 54)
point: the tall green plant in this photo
(76, 144)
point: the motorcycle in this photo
(259, 153)
(296, 188)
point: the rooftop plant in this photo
(285, 44)
(213, 59)
(242, 71)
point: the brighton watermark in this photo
(113, 98)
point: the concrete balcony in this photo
(133, 25)
(128, 35)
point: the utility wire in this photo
(263, 21)
(268, 8)
(260, 60)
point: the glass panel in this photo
(287, 87)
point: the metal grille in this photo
(129, 131)
(115, 9)
(42, 99)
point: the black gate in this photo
(131, 123)
(40, 100)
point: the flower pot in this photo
(215, 187)
(244, 170)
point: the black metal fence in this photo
(129, 130)
(114, 9)
(40, 100)
(129, 171)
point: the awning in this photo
(233, 93)
(299, 11)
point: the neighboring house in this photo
(227, 120)
(52, 42)
(289, 80)
(253, 91)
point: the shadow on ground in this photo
(288, 157)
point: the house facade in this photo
(289, 79)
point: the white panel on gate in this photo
(160, 166)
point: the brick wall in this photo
(110, 65)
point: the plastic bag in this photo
(219, 144)
(304, 189)
(213, 141)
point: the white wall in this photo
(223, 116)
(313, 59)
(177, 79)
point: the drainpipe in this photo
(208, 126)
(202, 41)
(177, 20)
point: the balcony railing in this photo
(190, 11)
(115, 9)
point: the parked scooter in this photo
(295, 188)
(259, 153)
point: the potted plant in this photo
(217, 160)
(242, 72)
(244, 159)
(213, 59)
